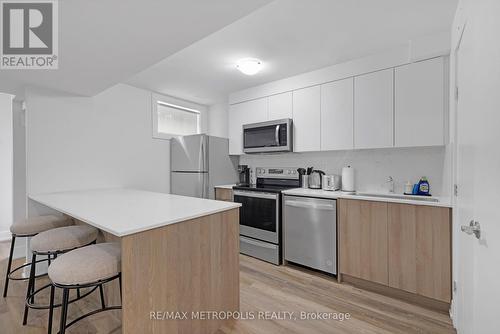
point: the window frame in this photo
(175, 104)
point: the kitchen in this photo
(260, 173)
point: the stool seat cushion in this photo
(87, 264)
(34, 225)
(63, 238)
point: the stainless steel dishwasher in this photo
(310, 232)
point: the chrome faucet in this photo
(390, 181)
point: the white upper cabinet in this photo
(307, 119)
(373, 110)
(337, 115)
(280, 106)
(403, 106)
(244, 113)
(419, 104)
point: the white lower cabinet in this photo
(307, 119)
(373, 110)
(337, 115)
(244, 113)
(419, 104)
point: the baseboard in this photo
(20, 247)
(5, 235)
(423, 301)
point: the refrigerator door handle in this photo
(202, 157)
(205, 186)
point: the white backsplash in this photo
(372, 167)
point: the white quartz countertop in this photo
(305, 192)
(123, 212)
(225, 186)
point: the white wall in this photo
(103, 141)
(19, 161)
(19, 195)
(6, 163)
(372, 166)
(217, 120)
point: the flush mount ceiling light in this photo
(249, 66)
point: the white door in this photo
(254, 111)
(337, 108)
(307, 119)
(373, 109)
(280, 106)
(419, 103)
(478, 166)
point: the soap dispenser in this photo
(423, 187)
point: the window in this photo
(174, 120)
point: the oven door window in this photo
(258, 213)
(265, 136)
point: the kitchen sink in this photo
(396, 196)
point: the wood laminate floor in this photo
(264, 288)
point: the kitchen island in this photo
(179, 254)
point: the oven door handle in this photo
(277, 135)
(255, 194)
(257, 243)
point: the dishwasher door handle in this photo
(309, 205)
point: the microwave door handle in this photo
(277, 135)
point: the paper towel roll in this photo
(348, 179)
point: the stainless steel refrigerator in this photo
(198, 163)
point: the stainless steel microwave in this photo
(271, 136)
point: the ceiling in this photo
(292, 37)
(102, 43)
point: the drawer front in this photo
(259, 249)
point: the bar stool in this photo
(51, 243)
(85, 267)
(30, 227)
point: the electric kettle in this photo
(315, 179)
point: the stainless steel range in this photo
(260, 214)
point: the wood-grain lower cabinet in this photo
(420, 250)
(401, 246)
(363, 240)
(223, 194)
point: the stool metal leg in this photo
(64, 311)
(120, 281)
(101, 292)
(9, 266)
(51, 309)
(30, 288)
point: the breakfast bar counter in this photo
(179, 254)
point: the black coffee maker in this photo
(244, 175)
